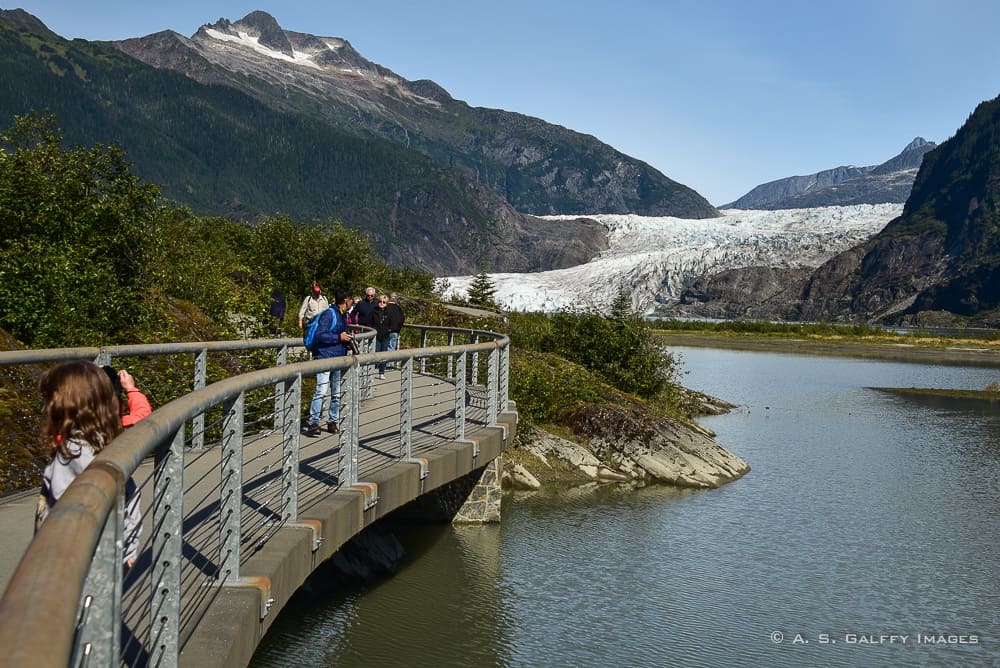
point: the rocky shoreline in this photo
(626, 445)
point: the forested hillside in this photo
(220, 152)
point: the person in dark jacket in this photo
(331, 335)
(277, 311)
(381, 322)
(396, 320)
(366, 306)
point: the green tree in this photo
(621, 307)
(482, 289)
(73, 227)
(199, 260)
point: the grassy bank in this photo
(823, 339)
(990, 395)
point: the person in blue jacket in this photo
(331, 335)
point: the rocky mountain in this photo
(842, 186)
(538, 167)
(937, 264)
(223, 152)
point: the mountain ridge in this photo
(935, 264)
(888, 182)
(538, 167)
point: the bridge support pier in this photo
(472, 499)
(482, 505)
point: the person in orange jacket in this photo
(137, 403)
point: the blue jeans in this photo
(381, 346)
(393, 340)
(323, 387)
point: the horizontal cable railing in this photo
(220, 469)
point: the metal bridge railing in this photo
(220, 469)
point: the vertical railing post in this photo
(279, 394)
(460, 398)
(504, 377)
(103, 358)
(200, 377)
(290, 450)
(350, 382)
(291, 424)
(168, 516)
(99, 642)
(423, 344)
(493, 386)
(451, 358)
(475, 360)
(367, 373)
(231, 499)
(406, 410)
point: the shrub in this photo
(622, 350)
(545, 385)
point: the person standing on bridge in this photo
(331, 335)
(352, 310)
(396, 320)
(81, 416)
(133, 403)
(314, 304)
(366, 306)
(380, 321)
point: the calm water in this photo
(865, 515)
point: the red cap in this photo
(316, 289)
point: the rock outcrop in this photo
(766, 293)
(629, 445)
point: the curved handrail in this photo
(36, 624)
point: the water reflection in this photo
(444, 605)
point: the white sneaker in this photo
(381, 376)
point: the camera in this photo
(352, 346)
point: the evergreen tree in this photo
(482, 289)
(622, 307)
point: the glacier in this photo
(654, 258)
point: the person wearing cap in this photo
(314, 304)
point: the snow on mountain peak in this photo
(655, 257)
(253, 42)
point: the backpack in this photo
(310, 335)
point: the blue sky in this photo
(720, 95)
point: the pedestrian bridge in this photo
(239, 506)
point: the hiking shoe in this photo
(381, 376)
(332, 428)
(313, 430)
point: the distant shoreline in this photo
(959, 354)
